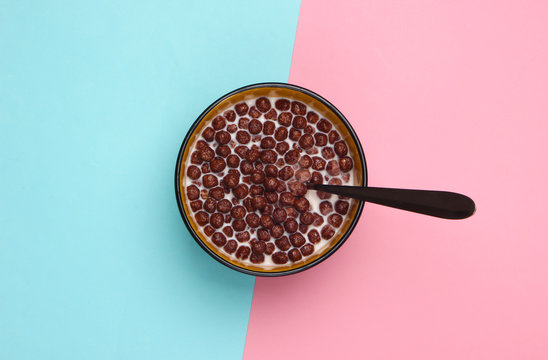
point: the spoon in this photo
(442, 204)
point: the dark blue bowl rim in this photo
(179, 164)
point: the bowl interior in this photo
(324, 110)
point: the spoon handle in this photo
(442, 204)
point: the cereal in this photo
(284, 118)
(335, 220)
(333, 136)
(255, 127)
(279, 215)
(320, 139)
(208, 133)
(291, 225)
(228, 231)
(324, 125)
(217, 165)
(243, 137)
(246, 181)
(196, 205)
(298, 108)
(252, 220)
(327, 232)
(294, 255)
(280, 134)
(263, 104)
(222, 137)
(328, 153)
(222, 151)
(254, 113)
(216, 220)
(297, 240)
(230, 115)
(341, 207)
(272, 115)
(307, 249)
(243, 252)
(299, 122)
(318, 163)
(231, 246)
(217, 193)
(326, 207)
(346, 164)
(241, 108)
(224, 206)
(243, 236)
(341, 149)
(210, 205)
(306, 141)
(219, 122)
(231, 181)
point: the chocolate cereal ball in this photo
(241, 191)
(241, 108)
(327, 232)
(263, 104)
(218, 239)
(279, 215)
(255, 127)
(243, 137)
(218, 122)
(284, 119)
(243, 236)
(282, 104)
(277, 231)
(341, 207)
(297, 240)
(243, 252)
(324, 125)
(202, 218)
(210, 181)
(294, 255)
(224, 206)
(217, 165)
(231, 180)
(335, 220)
(232, 161)
(307, 249)
(301, 204)
(298, 108)
(314, 236)
(192, 192)
(222, 137)
(291, 225)
(210, 205)
(216, 220)
(231, 246)
(306, 141)
(283, 243)
(346, 164)
(279, 257)
(193, 172)
(341, 148)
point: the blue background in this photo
(95, 99)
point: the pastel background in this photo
(443, 95)
(95, 100)
(96, 97)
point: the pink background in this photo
(449, 95)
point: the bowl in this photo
(327, 111)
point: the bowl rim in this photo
(178, 196)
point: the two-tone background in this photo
(96, 97)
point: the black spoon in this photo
(442, 204)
